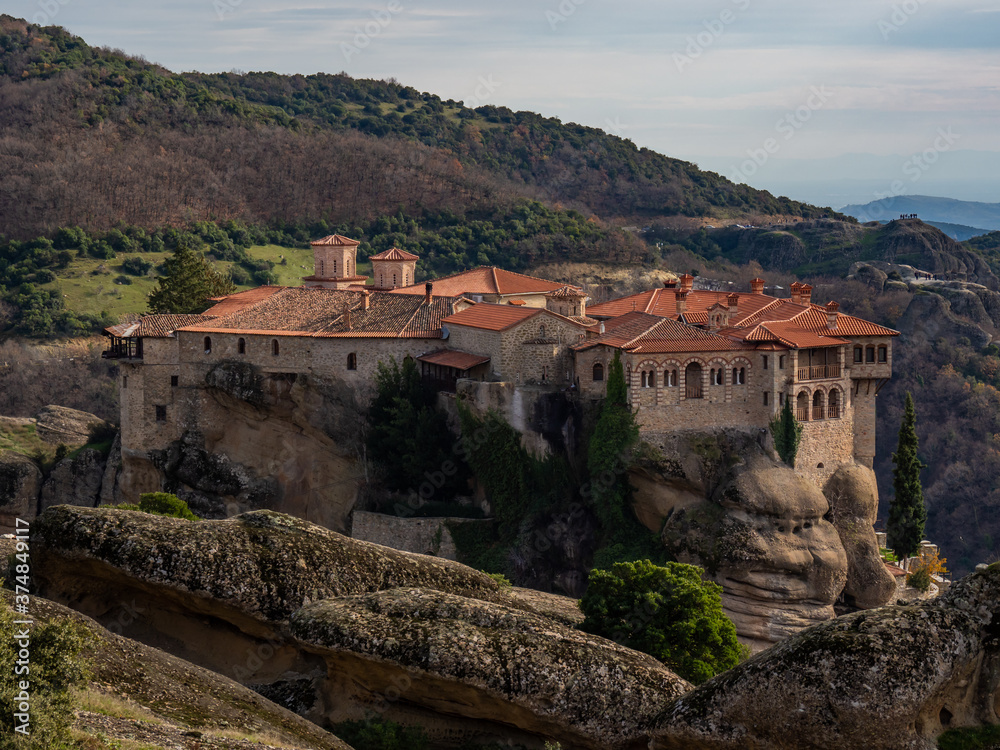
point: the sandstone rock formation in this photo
(75, 481)
(882, 679)
(20, 483)
(510, 675)
(853, 497)
(722, 501)
(71, 427)
(928, 318)
(299, 611)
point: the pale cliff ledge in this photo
(782, 550)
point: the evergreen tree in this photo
(787, 432)
(189, 281)
(907, 514)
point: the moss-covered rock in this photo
(882, 679)
(510, 671)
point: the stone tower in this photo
(393, 268)
(334, 263)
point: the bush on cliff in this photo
(160, 504)
(666, 611)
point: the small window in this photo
(334, 268)
(781, 399)
(870, 354)
(598, 372)
(394, 279)
(765, 361)
(352, 361)
(670, 378)
(541, 332)
(781, 362)
(767, 399)
(208, 345)
(883, 354)
(275, 348)
(857, 354)
(124, 381)
(174, 381)
(319, 269)
(716, 377)
(161, 413)
(241, 346)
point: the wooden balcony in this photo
(818, 372)
(802, 415)
(130, 348)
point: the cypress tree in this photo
(787, 432)
(188, 282)
(907, 514)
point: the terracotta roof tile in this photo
(394, 253)
(335, 239)
(492, 317)
(156, 326)
(484, 280)
(234, 302)
(568, 291)
(453, 358)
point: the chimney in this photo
(757, 285)
(687, 281)
(670, 284)
(601, 329)
(831, 314)
(806, 291)
(428, 290)
(365, 299)
(797, 293)
(682, 301)
(733, 300)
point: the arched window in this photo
(833, 407)
(643, 379)
(739, 376)
(883, 354)
(208, 345)
(802, 407)
(352, 361)
(819, 400)
(241, 346)
(858, 354)
(692, 381)
(869, 354)
(716, 377)
(670, 378)
(541, 331)
(598, 372)
(274, 347)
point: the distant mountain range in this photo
(967, 215)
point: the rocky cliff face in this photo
(722, 501)
(20, 483)
(884, 679)
(346, 626)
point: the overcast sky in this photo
(719, 82)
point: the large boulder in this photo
(853, 497)
(881, 679)
(70, 427)
(510, 676)
(75, 481)
(758, 528)
(20, 484)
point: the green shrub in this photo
(666, 611)
(380, 734)
(55, 668)
(970, 738)
(501, 579)
(920, 579)
(165, 504)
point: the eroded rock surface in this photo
(71, 427)
(509, 674)
(75, 481)
(758, 528)
(881, 679)
(20, 484)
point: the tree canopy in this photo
(787, 432)
(907, 513)
(666, 611)
(188, 282)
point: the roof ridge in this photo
(496, 281)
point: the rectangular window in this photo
(124, 381)
(781, 362)
(870, 354)
(883, 354)
(857, 354)
(781, 399)
(161, 413)
(765, 361)
(174, 381)
(767, 398)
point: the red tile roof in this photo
(484, 280)
(235, 302)
(155, 326)
(649, 334)
(394, 253)
(335, 239)
(492, 317)
(567, 291)
(452, 358)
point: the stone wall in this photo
(425, 536)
